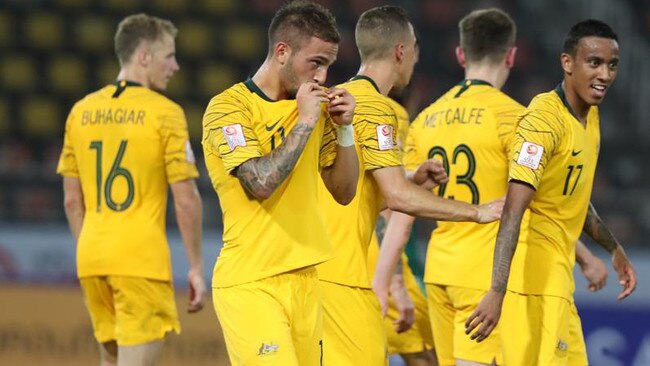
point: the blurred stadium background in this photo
(56, 51)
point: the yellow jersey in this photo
(555, 154)
(125, 143)
(403, 122)
(470, 129)
(263, 238)
(350, 227)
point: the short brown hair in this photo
(298, 21)
(486, 33)
(137, 28)
(379, 29)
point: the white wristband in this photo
(345, 135)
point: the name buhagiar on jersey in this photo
(263, 238)
(555, 154)
(125, 143)
(350, 227)
(470, 130)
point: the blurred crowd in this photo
(56, 51)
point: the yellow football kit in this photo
(265, 238)
(556, 155)
(126, 143)
(350, 229)
(470, 130)
(418, 338)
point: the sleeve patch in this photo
(530, 155)
(234, 136)
(385, 137)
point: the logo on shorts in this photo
(562, 347)
(267, 349)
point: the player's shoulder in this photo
(501, 104)
(545, 111)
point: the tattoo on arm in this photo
(261, 176)
(596, 229)
(504, 250)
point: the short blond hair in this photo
(137, 28)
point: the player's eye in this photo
(613, 66)
(593, 62)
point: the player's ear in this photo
(281, 52)
(143, 55)
(510, 57)
(460, 56)
(399, 52)
(567, 63)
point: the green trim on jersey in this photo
(560, 92)
(364, 77)
(122, 85)
(469, 82)
(250, 84)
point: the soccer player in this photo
(265, 142)
(406, 322)
(123, 145)
(352, 332)
(554, 159)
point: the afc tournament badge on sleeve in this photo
(530, 155)
(385, 137)
(234, 136)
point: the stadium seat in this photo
(6, 28)
(194, 37)
(194, 115)
(44, 31)
(245, 41)
(67, 74)
(5, 113)
(219, 7)
(68, 4)
(123, 6)
(176, 7)
(19, 72)
(94, 34)
(41, 117)
(214, 78)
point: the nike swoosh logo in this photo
(271, 127)
(575, 153)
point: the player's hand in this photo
(197, 290)
(626, 274)
(403, 303)
(490, 211)
(486, 315)
(430, 174)
(595, 271)
(341, 106)
(382, 296)
(309, 98)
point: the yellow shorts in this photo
(449, 308)
(130, 310)
(352, 327)
(418, 338)
(536, 330)
(273, 321)
(578, 349)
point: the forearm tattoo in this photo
(504, 250)
(261, 176)
(596, 229)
